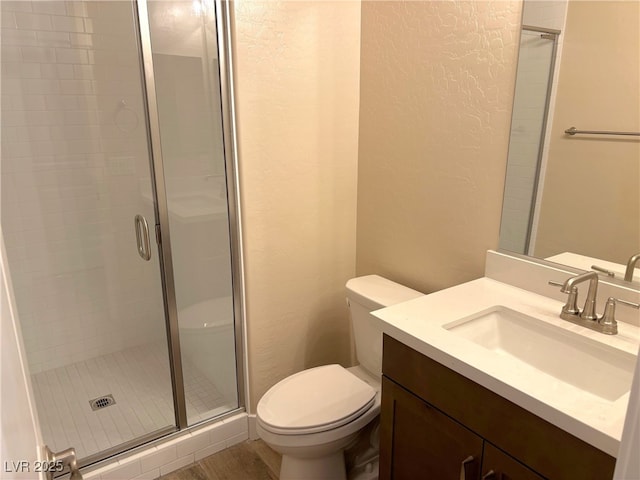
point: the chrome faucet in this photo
(608, 320)
(608, 273)
(631, 265)
(589, 310)
(587, 317)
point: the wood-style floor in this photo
(251, 460)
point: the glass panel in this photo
(75, 172)
(183, 39)
(528, 119)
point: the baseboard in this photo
(253, 432)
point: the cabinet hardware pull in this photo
(490, 475)
(463, 467)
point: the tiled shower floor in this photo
(139, 380)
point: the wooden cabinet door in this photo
(417, 441)
(504, 467)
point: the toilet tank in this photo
(364, 295)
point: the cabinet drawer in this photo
(547, 449)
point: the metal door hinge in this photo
(58, 461)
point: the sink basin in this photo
(567, 356)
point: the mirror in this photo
(575, 199)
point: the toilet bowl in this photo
(313, 416)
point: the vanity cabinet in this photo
(497, 465)
(436, 424)
(419, 428)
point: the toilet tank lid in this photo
(374, 292)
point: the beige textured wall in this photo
(591, 200)
(437, 82)
(297, 76)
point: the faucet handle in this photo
(609, 273)
(608, 321)
(571, 307)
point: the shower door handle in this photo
(142, 237)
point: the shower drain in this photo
(102, 402)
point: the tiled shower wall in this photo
(74, 155)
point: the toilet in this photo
(312, 416)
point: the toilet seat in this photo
(314, 400)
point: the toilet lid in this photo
(315, 400)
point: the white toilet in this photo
(312, 416)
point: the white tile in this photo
(162, 457)
(50, 6)
(210, 450)
(67, 24)
(53, 7)
(192, 444)
(58, 70)
(150, 475)
(71, 55)
(76, 8)
(53, 39)
(8, 21)
(30, 70)
(81, 39)
(91, 475)
(11, 70)
(11, 86)
(85, 72)
(33, 21)
(80, 117)
(76, 87)
(124, 471)
(230, 428)
(40, 86)
(35, 54)
(96, 474)
(177, 464)
(19, 37)
(60, 102)
(16, 6)
(11, 54)
(131, 375)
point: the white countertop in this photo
(419, 324)
(583, 262)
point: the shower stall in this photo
(119, 218)
(536, 68)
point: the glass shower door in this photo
(75, 173)
(183, 36)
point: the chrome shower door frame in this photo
(162, 230)
(232, 175)
(551, 34)
(163, 237)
